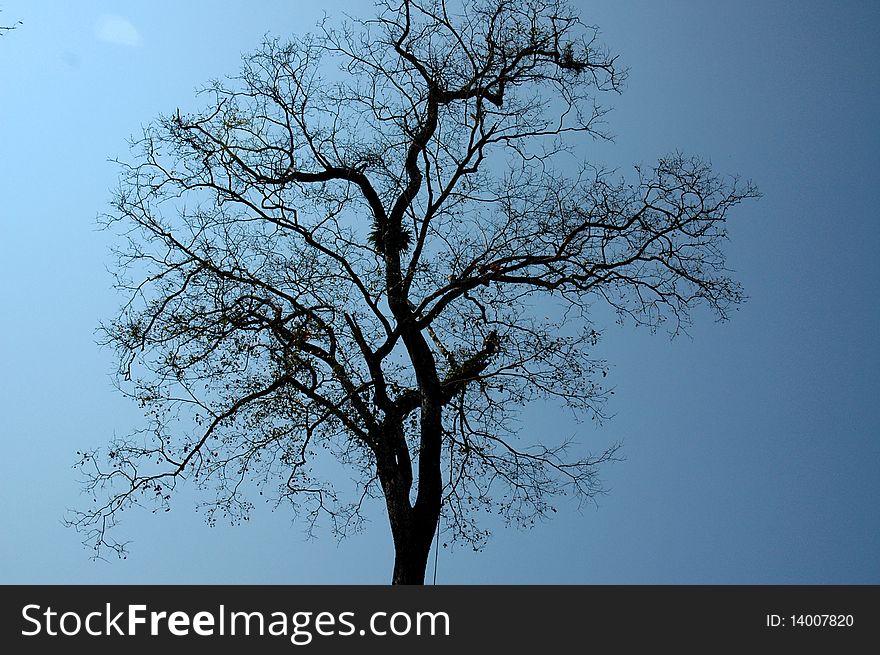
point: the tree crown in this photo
(381, 227)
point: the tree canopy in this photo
(379, 242)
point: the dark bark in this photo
(412, 524)
(413, 531)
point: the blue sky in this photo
(752, 447)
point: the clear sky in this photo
(752, 448)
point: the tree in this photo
(383, 261)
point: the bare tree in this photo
(378, 243)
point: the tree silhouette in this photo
(378, 243)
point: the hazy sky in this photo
(752, 448)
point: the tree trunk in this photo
(412, 526)
(413, 536)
